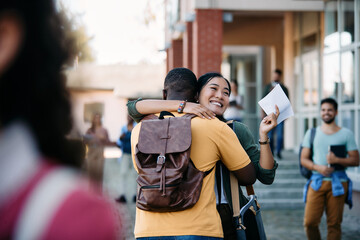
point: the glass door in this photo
(308, 97)
(244, 70)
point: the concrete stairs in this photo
(286, 192)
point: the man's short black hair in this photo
(330, 101)
(181, 81)
(278, 71)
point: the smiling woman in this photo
(215, 92)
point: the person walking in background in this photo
(127, 171)
(42, 193)
(96, 138)
(235, 103)
(328, 188)
(279, 130)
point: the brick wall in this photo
(207, 41)
(175, 56)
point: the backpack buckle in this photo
(159, 159)
(160, 162)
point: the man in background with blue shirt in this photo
(128, 174)
(327, 188)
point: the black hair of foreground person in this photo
(32, 88)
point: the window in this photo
(92, 108)
(347, 77)
(331, 75)
(348, 120)
(357, 24)
(341, 72)
(357, 69)
(311, 76)
(306, 125)
(307, 82)
(358, 135)
(348, 28)
(331, 41)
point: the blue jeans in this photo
(187, 237)
(279, 131)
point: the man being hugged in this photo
(212, 140)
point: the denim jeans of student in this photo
(187, 237)
(279, 131)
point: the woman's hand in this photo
(269, 122)
(198, 110)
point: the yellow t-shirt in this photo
(211, 140)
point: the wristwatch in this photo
(264, 143)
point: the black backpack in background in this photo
(303, 170)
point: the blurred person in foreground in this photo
(41, 194)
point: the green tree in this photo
(77, 37)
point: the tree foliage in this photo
(76, 33)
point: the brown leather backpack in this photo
(168, 181)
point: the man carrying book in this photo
(329, 188)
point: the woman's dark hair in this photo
(204, 79)
(33, 88)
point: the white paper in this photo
(279, 98)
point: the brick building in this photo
(316, 44)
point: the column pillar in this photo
(176, 54)
(188, 46)
(207, 41)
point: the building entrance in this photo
(244, 65)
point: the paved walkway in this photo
(288, 225)
(279, 224)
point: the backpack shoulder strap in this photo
(250, 190)
(312, 137)
(218, 180)
(235, 195)
(149, 117)
(165, 113)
